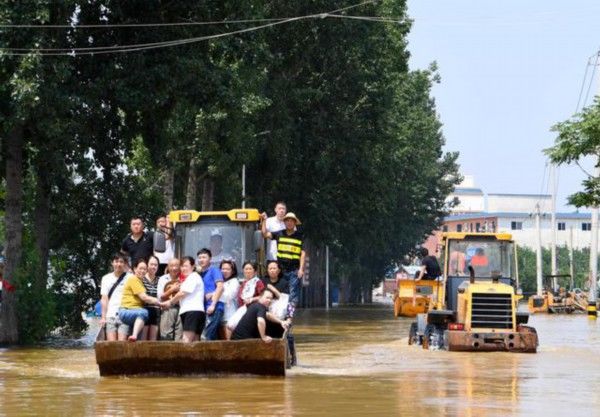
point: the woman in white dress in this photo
(231, 287)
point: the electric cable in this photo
(97, 50)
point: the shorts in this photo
(130, 315)
(193, 321)
(115, 325)
(153, 316)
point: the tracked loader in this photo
(476, 308)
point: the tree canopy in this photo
(324, 112)
(579, 137)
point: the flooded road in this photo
(352, 362)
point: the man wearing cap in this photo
(289, 252)
(216, 249)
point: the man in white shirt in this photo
(111, 291)
(191, 302)
(275, 224)
(163, 226)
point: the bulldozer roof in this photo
(468, 235)
(234, 215)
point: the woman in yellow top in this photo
(132, 311)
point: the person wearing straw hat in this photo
(290, 253)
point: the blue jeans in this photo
(211, 331)
(294, 281)
(130, 315)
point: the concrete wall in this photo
(515, 203)
(527, 236)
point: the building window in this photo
(586, 227)
(477, 227)
(459, 227)
(444, 228)
(562, 226)
(516, 225)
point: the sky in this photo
(510, 70)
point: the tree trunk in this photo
(168, 187)
(345, 290)
(9, 333)
(192, 186)
(367, 293)
(42, 225)
(208, 194)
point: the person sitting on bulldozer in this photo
(430, 268)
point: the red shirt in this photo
(6, 285)
(260, 286)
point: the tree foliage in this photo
(527, 266)
(325, 114)
(579, 137)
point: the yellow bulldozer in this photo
(558, 297)
(232, 234)
(476, 308)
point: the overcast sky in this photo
(510, 69)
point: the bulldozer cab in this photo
(230, 235)
(491, 255)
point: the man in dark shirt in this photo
(138, 244)
(254, 323)
(430, 268)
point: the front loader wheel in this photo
(412, 334)
(433, 337)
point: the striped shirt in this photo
(151, 290)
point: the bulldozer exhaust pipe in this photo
(471, 275)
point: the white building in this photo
(514, 213)
(522, 227)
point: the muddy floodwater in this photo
(353, 362)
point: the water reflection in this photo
(352, 362)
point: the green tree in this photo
(577, 138)
(527, 266)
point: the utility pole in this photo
(326, 277)
(553, 228)
(244, 206)
(538, 258)
(571, 260)
(592, 313)
(593, 278)
(244, 186)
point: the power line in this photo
(139, 25)
(99, 50)
(591, 79)
(169, 24)
(587, 66)
(543, 182)
(368, 18)
(155, 45)
(152, 45)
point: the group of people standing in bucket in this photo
(189, 299)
